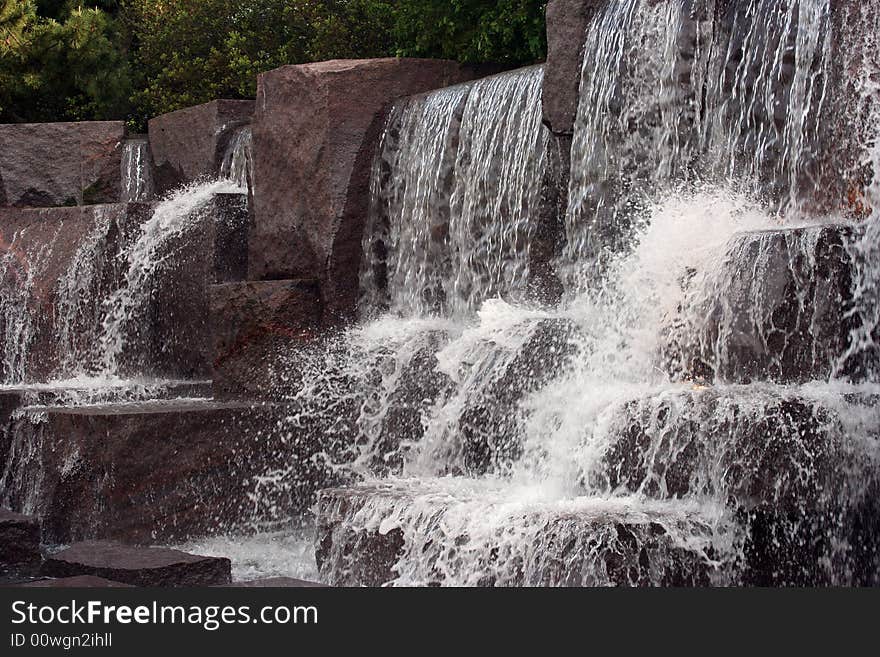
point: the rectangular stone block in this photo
(315, 131)
(55, 164)
(189, 144)
(155, 472)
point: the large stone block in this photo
(258, 328)
(401, 533)
(155, 472)
(567, 22)
(53, 164)
(190, 143)
(138, 566)
(60, 266)
(315, 131)
(783, 305)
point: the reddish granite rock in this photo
(190, 143)
(139, 566)
(52, 164)
(161, 471)
(315, 131)
(254, 323)
(567, 22)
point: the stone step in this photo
(276, 583)
(159, 471)
(75, 582)
(138, 566)
(782, 307)
(459, 532)
(15, 397)
(19, 544)
(474, 533)
(753, 445)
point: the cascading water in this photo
(137, 172)
(22, 269)
(702, 407)
(237, 160)
(173, 219)
(455, 199)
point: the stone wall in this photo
(57, 164)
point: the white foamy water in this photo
(693, 402)
(172, 220)
(237, 163)
(263, 556)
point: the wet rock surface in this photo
(19, 543)
(138, 566)
(567, 22)
(356, 547)
(780, 309)
(254, 323)
(148, 472)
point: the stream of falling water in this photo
(137, 172)
(708, 390)
(454, 199)
(173, 219)
(237, 161)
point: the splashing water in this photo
(701, 409)
(172, 219)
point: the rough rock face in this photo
(53, 164)
(190, 143)
(789, 468)
(315, 130)
(39, 247)
(138, 566)
(147, 472)
(780, 309)
(19, 542)
(562, 548)
(63, 263)
(253, 324)
(231, 237)
(567, 22)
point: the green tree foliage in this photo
(58, 70)
(474, 31)
(133, 59)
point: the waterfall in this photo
(676, 93)
(24, 264)
(137, 172)
(164, 234)
(455, 197)
(237, 163)
(701, 408)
